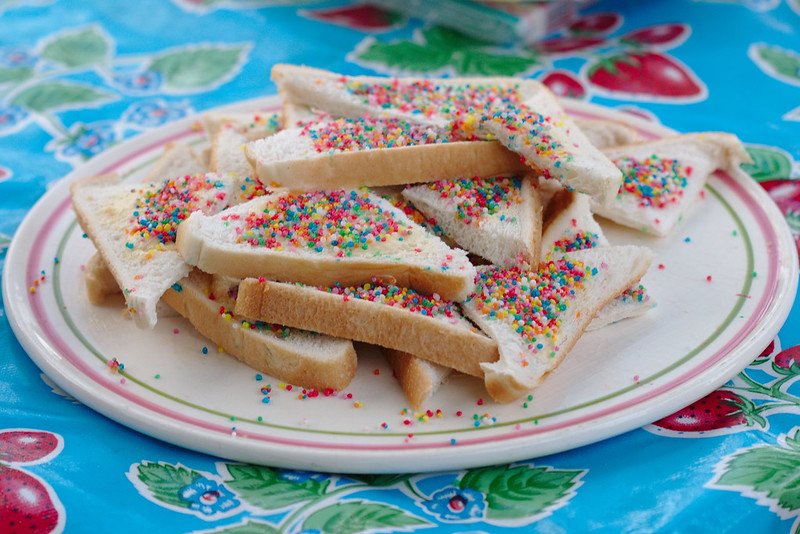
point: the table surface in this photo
(76, 78)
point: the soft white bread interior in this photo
(178, 159)
(663, 178)
(519, 309)
(133, 228)
(419, 379)
(345, 237)
(251, 124)
(301, 358)
(377, 313)
(499, 219)
(100, 281)
(569, 226)
(607, 134)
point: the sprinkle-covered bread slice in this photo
(134, 227)
(536, 317)
(302, 358)
(251, 124)
(499, 219)
(569, 227)
(662, 179)
(369, 151)
(321, 238)
(523, 115)
(379, 313)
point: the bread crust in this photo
(309, 308)
(414, 376)
(253, 349)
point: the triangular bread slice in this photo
(351, 152)
(499, 219)
(568, 227)
(523, 115)
(379, 313)
(134, 226)
(178, 159)
(663, 178)
(319, 238)
(419, 379)
(252, 125)
(537, 316)
(301, 358)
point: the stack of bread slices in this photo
(450, 222)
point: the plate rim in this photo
(764, 328)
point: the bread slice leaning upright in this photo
(320, 238)
(536, 317)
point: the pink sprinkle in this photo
(603, 265)
(517, 426)
(176, 331)
(121, 380)
(708, 278)
(635, 378)
(661, 267)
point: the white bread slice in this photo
(663, 178)
(299, 115)
(301, 358)
(499, 219)
(178, 159)
(100, 281)
(569, 226)
(607, 134)
(351, 152)
(519, 309)
(318, 238)
(227, 153)
(523, 115)
(420, 379)
(133, 228)
(377, 313)
(251, 124)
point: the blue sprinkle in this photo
(177, 287)
(129, 245)
(453, 441)
(259, 377)
(265, 400)
(687, 240)
(205, 350)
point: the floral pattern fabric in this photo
(76, 79)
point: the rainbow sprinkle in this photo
(578, 241)
(336, 221)
(398, 297)
(410, 211)
(367, 133)
(654, 181)
(635, 294)
(158, 212)
(531, 301)
(477, 198)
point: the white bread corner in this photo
(100, 281)
(703, 152)
(251, 124)
(509, 379)
(209, 243)
(301, 358)
(104, 208)
(419, 379)
(178, 159)
(507, 237)
(454, 343)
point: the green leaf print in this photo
(165, 481)
(769, 470)
(249, 527)
(198, 67)
(15, 74)
(768, 163)
(50, 96)
(436, 48)
(380, 480)
(514, 492)
(263, 487)
(777, 62)
(358, 516)
(79, 48)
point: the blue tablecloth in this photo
(75, 78)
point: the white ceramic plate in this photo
(616, 379)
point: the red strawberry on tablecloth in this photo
(20, 446)
(25, 503)
(565, 45)
(641, 73)
(661, 35)
(565, 84)
(789, 359)
(720, 409)
(765, 354)
(786, 194)
(364, 17)
(596, 23)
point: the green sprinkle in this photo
(734, 233)
(157, 377)
(260, 418)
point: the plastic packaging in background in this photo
(495, 21)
